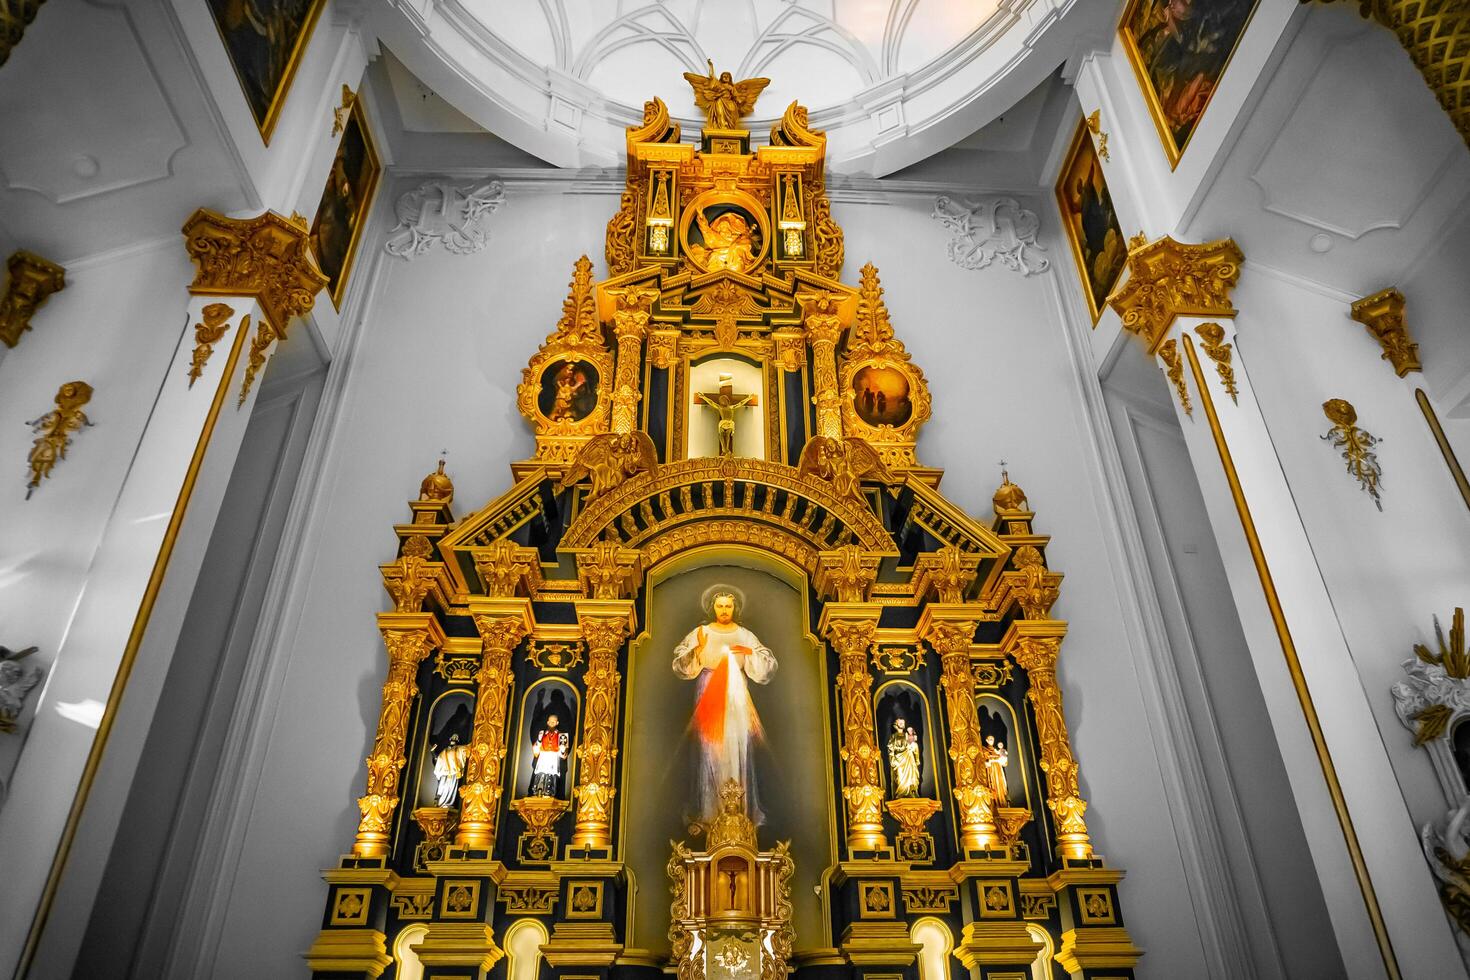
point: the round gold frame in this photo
(743, 200)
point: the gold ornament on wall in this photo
(1094, 126)
(259, 345)
(1356, 445)
(1212, 340)
(207, 332)
(1174, 368)
(342, 113)
(32, 280)
(54, 431)
(1383, 315)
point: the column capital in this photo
(502, 623)
(846, 574)
(1383, 315)
(506, 568)
(1168, 279)
(266, 257)
(632, 308)
(948, 573)
(949, 628)
(850, 636)
(606, 623)
(610, 571)
(32, 280)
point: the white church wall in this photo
(435, 366)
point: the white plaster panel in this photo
(109, 136)
(491, 310)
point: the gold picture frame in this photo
(1159, 49)
(1093, 230)
(264, 67)
(336, 230)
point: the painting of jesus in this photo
(720, 656)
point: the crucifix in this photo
(726, 403)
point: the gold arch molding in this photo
(713, 500)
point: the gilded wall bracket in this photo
(32, 280)
(1168, 279)
(1383, 315)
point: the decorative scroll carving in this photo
(1174, 368)
(1037, 589)
(599, 750)
(212, 326)
(440, 213)
(951, 640)
(259, 345)
(846, 574)
(860, 754)
(609, 571)
(16, 681)
(507, 569)
(53, 431)
(411, 577)
(538, 841)
(406, 648)
(267, 257)
(632, 308)
(948, 573)
(1383, 315)
(480, 790)
(1167, 279)
(989, 230)
(1094, 126)
(1356, 445)
(914, 842)
(32, 278)
(1038, 658)
(1212, 340)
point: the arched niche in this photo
(937, 944)
(793, 771)
(999, 719)
(747, 377)
(523, 942)
(903, 699)
(410, 967)
(544, 697)
(451, 714)
(1041, 966)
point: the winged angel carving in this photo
(844, 463)
(723, 99)
(612, 458)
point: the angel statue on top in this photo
(719, 656)
(723, 99)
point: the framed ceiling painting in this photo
(1091, 223)
(337, 227)
(1179, 50)
(265, 40)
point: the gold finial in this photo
(1008, 497)
(723, 99)
(437, 485)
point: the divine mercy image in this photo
(720, 656)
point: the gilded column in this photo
(861, 756)
(605, 625)
(1436, 33)
(633, 307)
(1037, 656)
(824, 326)
(409, 637)
(501, 630)
(950, 638)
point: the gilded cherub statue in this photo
(723, 99)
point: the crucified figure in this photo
(726, 403)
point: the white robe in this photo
(728, 756)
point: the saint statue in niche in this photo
(719, 656)
(996, 759)
(450, 748)
(904, 761)
(549, 752)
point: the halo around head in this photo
(707, 599)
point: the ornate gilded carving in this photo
(32, 278)
(823, 321)
(1008, 498)
(1035, 588)
(437, 486)
(407, 645)
(947, 573)
(723, 99)
(15, 15)
(409, 579)
(599, 749)
(1037, 656)
(1174, 368)
(612, 459)
(480, 789)
(540, 815)
(846, 574)
(555, 657)
(620, 248)
(528, 899)
(1212, 339)
(883, 396)
(1167, 279)
(341, 114)
(53, 431)
(507, 569)
(207, 332)
(609, 571)
(1436, 35)
(1094, 126)
(860, 754)
(632, 307)
(437, 824)
(951, 640)
(930, 898)
(266, 257)
(259, 344)
(1355, 444)
(844, 463)
(566, 390)
(914, 842)
(1383, 315)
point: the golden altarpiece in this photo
(722, 405)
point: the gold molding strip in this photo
(125, 665)
(1294, 667)
(1445, 448)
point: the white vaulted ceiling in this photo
(891, 81)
